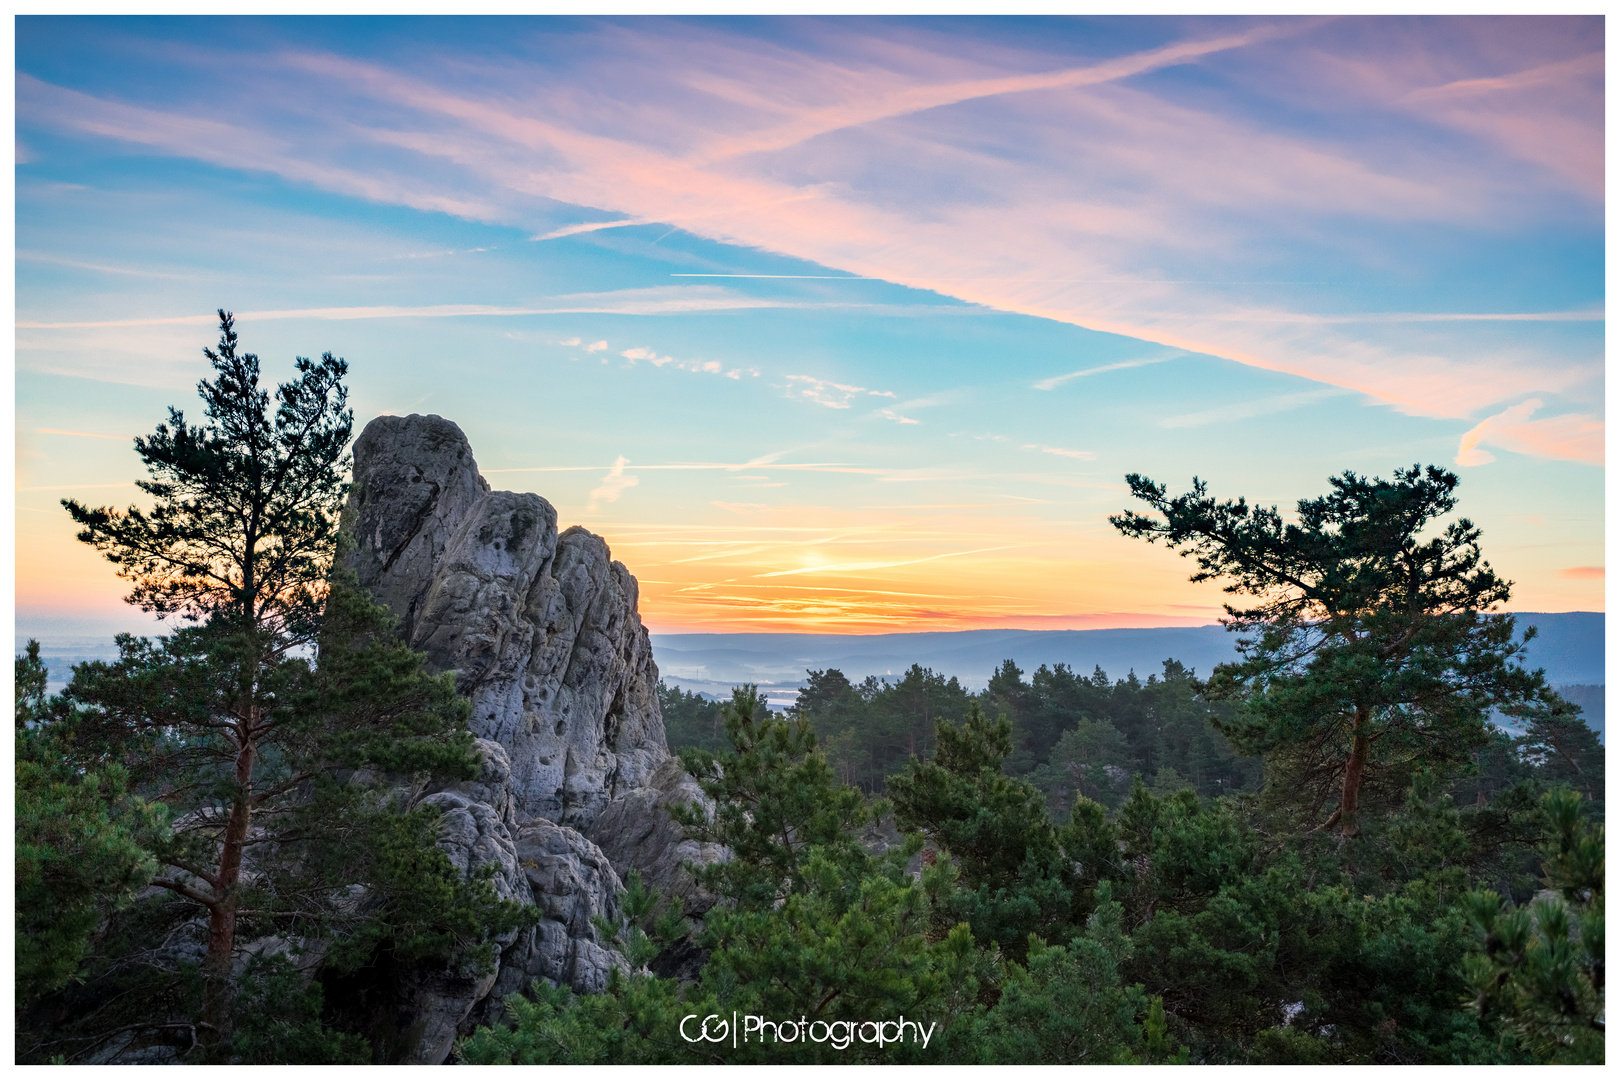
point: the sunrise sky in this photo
(842, 325)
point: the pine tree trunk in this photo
(1350, 799)
(222, 914)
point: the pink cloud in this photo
(1571, 436)
(1547, 115)
(998, 177)
(864, 108)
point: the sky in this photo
(846, 325)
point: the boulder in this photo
(473, 834)
(439, 1002)
(540, 626)
(550, 866)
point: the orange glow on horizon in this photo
(826, 570)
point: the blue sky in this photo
(839, 324)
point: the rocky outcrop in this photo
(636, 832)
(540, 627)
(574, 887)
(542, 632)
(541, 863)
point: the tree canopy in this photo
(281, 732)
(1371, 651)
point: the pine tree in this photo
(1538, 970)
(240, 537)
(78, 841)
(776, 802)
(994, 827)
(1371, 652)
(285, 728)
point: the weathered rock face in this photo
(542, 631)
(573, 885)
(636, 832)
(550, 866)
(541, 628)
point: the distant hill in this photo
(1569, 646)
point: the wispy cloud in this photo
(643, 353)
(902, 101)
(890, 414)
(103, 268)
(660, 300)
(84, 434)
(833, 395)
(1117, 187)
(849, 567)
(1572, 436)
(588, 226)
(1058, 380)
(441, 254)
(612, 486)
(1541, 114)
(1309, 319)
(1058, 451)
(707, 367)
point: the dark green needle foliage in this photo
(1537, 973)
(279, 738)
(691, 719)
(1014, 880)
(79, 834)
(1370, 653)
(776, 801)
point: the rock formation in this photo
(541, 629)
(543, 634)
(636, 832)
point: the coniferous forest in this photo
(1323, 852)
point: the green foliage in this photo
(1063, 1006)
(338, 858)
(1562, 748)
(1370, 657)
(245, 514)
(870, 730)
(280, 1010)
(1157, 1047)
(1071, 735)
(996, 830)
(270, 751)
(811, 926)
(691, 719)
(78, 841)
(1190, 930)
(776, 802)
(1537, 973)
